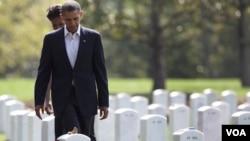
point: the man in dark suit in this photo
(74, 55)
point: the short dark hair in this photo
(54, 11)
(71, 5)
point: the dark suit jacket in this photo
(89, 73)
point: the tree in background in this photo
(156, 43)
(22, 27)
(244, 46)
(159, 39)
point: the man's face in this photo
(57, 22)
(72, 20)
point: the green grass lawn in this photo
(23, 89)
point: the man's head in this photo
(54, 15)
(71, 14)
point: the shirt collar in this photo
(66, 32)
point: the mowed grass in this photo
(23, 89)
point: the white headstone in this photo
(140, 104)
(10, 106)
(157, 109)
(209, 122)
(123, 100)
(248, 97)
(35, 127)
(241, 118)
(177, 97)
(73, 137)
(102, 126)
(230, 97)
(211, 95)
(48, 129)
(153, 128)
(160, 96)
(19, 125)
(225, 111)
(112, 102)
(179, 118)
(3, 98)
(188, 134)
(126, 124)
(244, 107)
(197, 100)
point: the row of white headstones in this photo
(169, 117)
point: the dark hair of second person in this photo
(54, 15)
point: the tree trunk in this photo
(158, 59)
(244, 49)
(158, 67)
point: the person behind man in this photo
(54, 16)
(74, 54)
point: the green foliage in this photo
(199, 38)
(22, 27)
(2, 137)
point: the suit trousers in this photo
(71, 117)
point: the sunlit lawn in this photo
(23, 88)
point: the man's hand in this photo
(39, 108)
(48, 108)
(103, 112)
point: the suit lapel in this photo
(63, 45)
(82, 43)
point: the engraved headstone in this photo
(177, 97)
(102, 126)
(140, 104)
(225, 111)
(248, 97)
(73, 137)
(35, 127)
(3, 98)
(160, 96)
(209, 122)
(241, 118)
(112, 102)
(19, 125)
(243, 107)
(230, 97)
(188, 134)
(157, 109)
(123, 100)
(48, 133)
(153, 128)
(179, 118)
(211, 95)
(11, 106)
(197, 100)
(126, 125)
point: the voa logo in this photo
(236, 132)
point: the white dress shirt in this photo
(72, 44)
